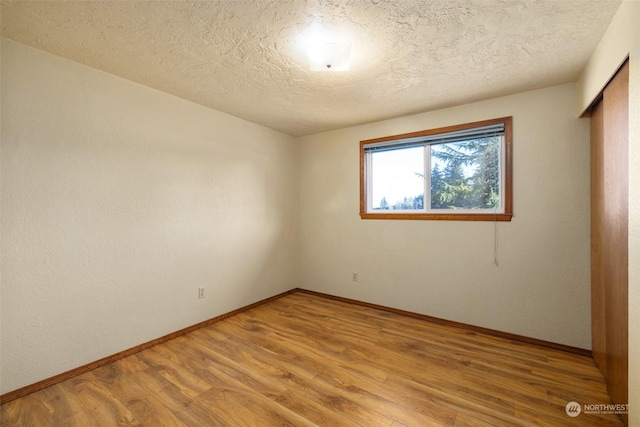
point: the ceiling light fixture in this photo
(330, 56)
(326, 49)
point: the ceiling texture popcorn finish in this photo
(246, 58)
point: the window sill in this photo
(439, 216)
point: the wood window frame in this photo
(448, 216)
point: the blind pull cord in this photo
(495, 239)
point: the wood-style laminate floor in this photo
(305, 360)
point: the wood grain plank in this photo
(146, 408)
(65, 406)
(100, 403)
(255, 406)
(29, 411)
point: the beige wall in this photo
(622, 39)
(118, 202)
(541, 287)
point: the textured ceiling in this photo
(244, 58)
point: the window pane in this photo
(466, 174)
(398, 179)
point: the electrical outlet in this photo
(354, 277)
(200, 292)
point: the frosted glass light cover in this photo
(330, 57)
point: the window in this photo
(459, 172)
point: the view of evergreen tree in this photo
(451, 189)
(437, 187)
(410, 203)
(384, 204)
